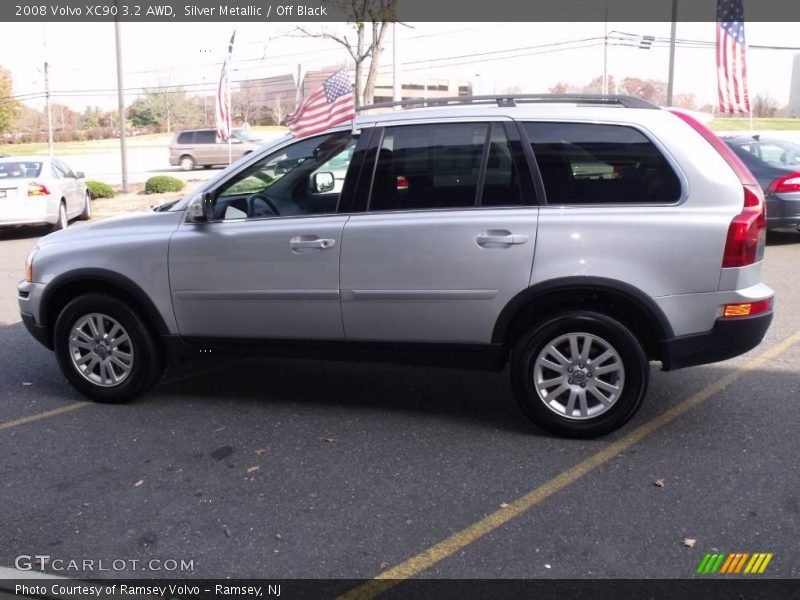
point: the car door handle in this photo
(505, 238)
(305, 243)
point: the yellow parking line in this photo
(43, 415)
(458, 541)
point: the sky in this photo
(83, 68)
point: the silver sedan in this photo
(37, 190)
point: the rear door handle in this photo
(505, 238)
(311, 243)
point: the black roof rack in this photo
(514, 99)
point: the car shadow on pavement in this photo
(483, 398)
(783, 237)
(25, 232)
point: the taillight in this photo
(37, 189)
(747, 233)
(787, 183)
(747, 309)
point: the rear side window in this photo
(429, 166)
(186, 137)
(583, 163)
(206, 136)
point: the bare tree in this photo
(279, 110)
(370, 20)
(764, 105)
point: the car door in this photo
(267, 264)
(72, 188)
(65, 187)
(447, 237)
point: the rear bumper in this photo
(783, 210)
(728, 338)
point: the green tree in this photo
(9, 107)
(142, 114)
(169, 106)
(90, 117)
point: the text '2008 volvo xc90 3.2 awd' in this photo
(574, 238)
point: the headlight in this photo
(29, 265)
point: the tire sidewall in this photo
(146, 365)
(631, 353)
(61, 221)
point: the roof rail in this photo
(514, 99)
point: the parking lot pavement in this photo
(286, 468)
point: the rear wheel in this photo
(87, 208)
(105, 350)
(580, 374)
(62, 222)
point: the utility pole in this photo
(605, 49)
(49, 111)
(671, 78)
(397, 91)
(121, 105)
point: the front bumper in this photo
(728, 338)
(40, 333)
(29, 296)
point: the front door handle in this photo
(504, 238)
(311, 243)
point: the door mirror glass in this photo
(200, 209)
(322, 182)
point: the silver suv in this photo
(574, 238)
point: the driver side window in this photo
(304, 178)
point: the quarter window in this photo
(428, 166)
(585, 163)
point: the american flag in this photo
(731, 57)
(331, 104)
(223, 109)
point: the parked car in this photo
(463, 235)
(41, 191)
(202, 147)
(776, 165)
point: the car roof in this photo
(27, 158)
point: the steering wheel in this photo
(252, 211)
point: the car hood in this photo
(122, 225)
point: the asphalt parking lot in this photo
(302, 469)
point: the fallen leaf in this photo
(689, 542)
(504, 505)
(226, 530)
(251, 469)
(660, 482)
(261, 452)
(138, 483)
(330, 440)
(383, 565)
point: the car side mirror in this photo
(323, 182)
(201, 208)
(80, 175)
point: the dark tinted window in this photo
(186, 137)
(428, 166)
(601, 164)
(205, 136)
(501, 185)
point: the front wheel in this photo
(187, 163)
(105, 350)
(87, 208)
(580, 374)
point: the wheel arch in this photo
(62, 289)
(624, 302)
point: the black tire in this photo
(610, 331)
(147, 366)
(87, 208)
(62, 221)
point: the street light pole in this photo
(121, 105)
(671, 78)
(49, 110)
